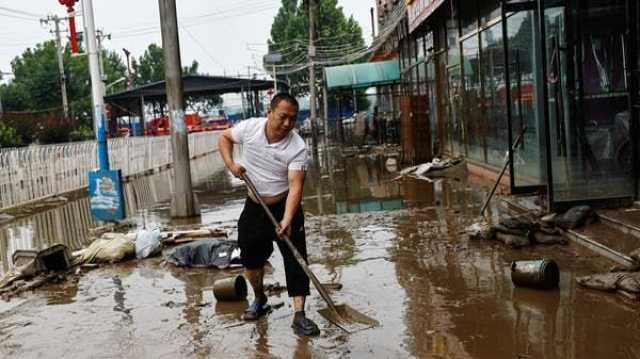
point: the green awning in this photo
(363, 75)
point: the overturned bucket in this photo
(230, 289)
(541, 274)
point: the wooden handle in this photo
(316, 283)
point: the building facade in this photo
(559, 77)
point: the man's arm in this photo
(294, 198)
(225, 144)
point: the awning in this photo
(363, 75)
(420, 10)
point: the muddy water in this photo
(394, 245)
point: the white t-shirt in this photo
(268, 165)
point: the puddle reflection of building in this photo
(68, 224)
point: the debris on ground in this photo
(626, 284)
(148, 243)
(110, 248)
(173, 237)
(210, 253)
(33, 268)
(29, 263)
(576, 217)
(517, 232)
(436, 168)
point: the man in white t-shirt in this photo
(275, 159)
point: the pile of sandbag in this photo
(517, 232)
(626, 284)
(109, 248)
(525, 230)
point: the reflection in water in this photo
(69, 224)
(436, 294)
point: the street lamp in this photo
(130, 78)
(106, 89)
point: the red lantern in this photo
(72, 23)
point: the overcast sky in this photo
(216, 33)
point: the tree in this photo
(149, 67)
(290, 36)
(36, 87)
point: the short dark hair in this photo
(283, 96)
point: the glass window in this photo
(468, 16)
(524, 65)
(452, 42)
(494, 103)
(592, 149)
(473, 132)
(489, 10)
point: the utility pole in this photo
(325, 110)
(105, 185)
(312, 4)
(60, 51)
(373, 24)
(97, 86)
(183, 201)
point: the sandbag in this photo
(576, 217)
(110, 248)
(211, 253)
(148, 243)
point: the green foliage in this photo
(9, 136)
(82, 133)
(36, 84)
(149, 67)
(290, 35)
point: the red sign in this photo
(419, 10)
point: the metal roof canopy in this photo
(363, 75)
(194, 86)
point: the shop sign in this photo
(419, 10)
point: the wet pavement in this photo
(396, 246)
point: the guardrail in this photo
(33, 173)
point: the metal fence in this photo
(33, 173)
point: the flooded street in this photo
(396, 246)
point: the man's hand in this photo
(237, 170)
(284, 228)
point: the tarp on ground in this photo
(363, 75)
(208, 253)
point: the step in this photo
(606, 240)
(603, 238)
(625, 219)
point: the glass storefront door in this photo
(590, 117)
(522, 92)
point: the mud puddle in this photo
(396, 248)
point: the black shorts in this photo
(256, 235)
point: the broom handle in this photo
(296, 254)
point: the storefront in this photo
(480, 70)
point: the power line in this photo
(202, 47)
(21, 12)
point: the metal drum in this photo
(230, 289)
(541, 274)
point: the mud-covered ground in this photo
(397, 248)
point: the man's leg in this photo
(255, 249)
(297, 280)
(298, 303)
(255, 278)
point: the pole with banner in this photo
(105, 185)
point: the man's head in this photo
(282, 115)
